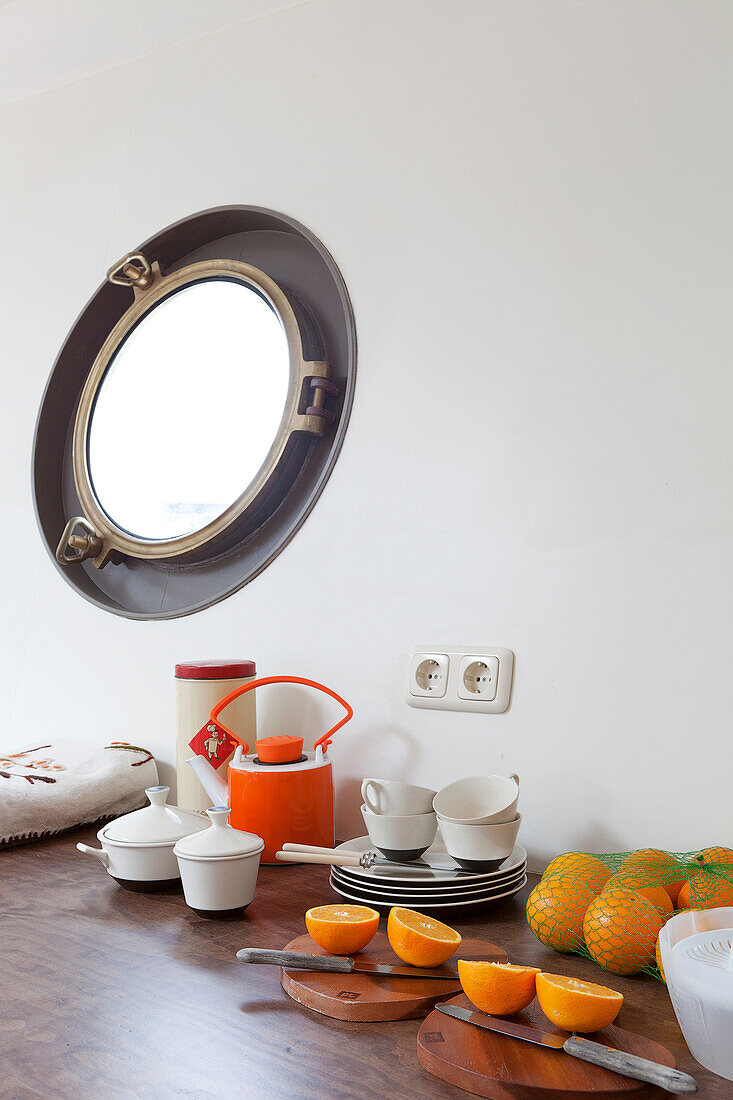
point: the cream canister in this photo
(199, 686)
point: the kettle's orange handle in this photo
(325, 740)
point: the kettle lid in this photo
(285, 749)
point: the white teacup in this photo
(400, 837)
(479, 800)
(388, 796)
(479, 847)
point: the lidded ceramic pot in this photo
(137, 848)
(219, 866)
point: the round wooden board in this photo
(492, 1065)
(363, 997)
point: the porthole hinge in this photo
(318, 417)
(75, 546)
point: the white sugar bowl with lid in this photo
(137, 848)
(219, 867)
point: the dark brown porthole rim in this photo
(304, 270)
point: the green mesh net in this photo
(611, 907)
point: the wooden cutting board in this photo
(501, 1068)
(364, 997)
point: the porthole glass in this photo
(188, 409)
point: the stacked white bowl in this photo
(478, 819)
(399, 818)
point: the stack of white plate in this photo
(417, 886)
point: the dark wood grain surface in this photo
(109, 994)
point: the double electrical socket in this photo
(450, 678)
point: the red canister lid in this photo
(285, 749)
(215, 670)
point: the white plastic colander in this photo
(697, 957)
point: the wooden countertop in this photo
(111, 994)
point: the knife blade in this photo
(338, 964)
(627, 1065)
(505, 1027)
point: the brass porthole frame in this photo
(168, 587)
(305, 411)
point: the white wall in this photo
(530, 203)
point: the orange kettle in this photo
(279, 792)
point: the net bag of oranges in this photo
(612, 907)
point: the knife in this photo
(305, 853)
(337, 964)
(628, 1065)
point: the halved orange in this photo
(498, 988)
(420, 940)
(577, 1006)
(342, 929)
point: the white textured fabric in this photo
(54, 786)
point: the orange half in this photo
(420, 940)
(342, 929)
(577, 1006)
(498, 988)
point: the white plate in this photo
(433, 883)
(437, 892)
(363, 899)
(420, 870)
(410, 899)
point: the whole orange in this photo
(579, 866)
(705, 891)
(555, 911)
(620, 930)
(633, 880)
(659, 898)
(721, 857)
(653, 867)
(342, 929)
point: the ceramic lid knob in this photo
(219, 815)
(157, 796)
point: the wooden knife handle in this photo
(295, 960)
(629, 1065)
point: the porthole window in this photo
(194, 413)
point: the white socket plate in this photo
(452, 691)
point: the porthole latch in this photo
(133, 270)
(75, 547)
